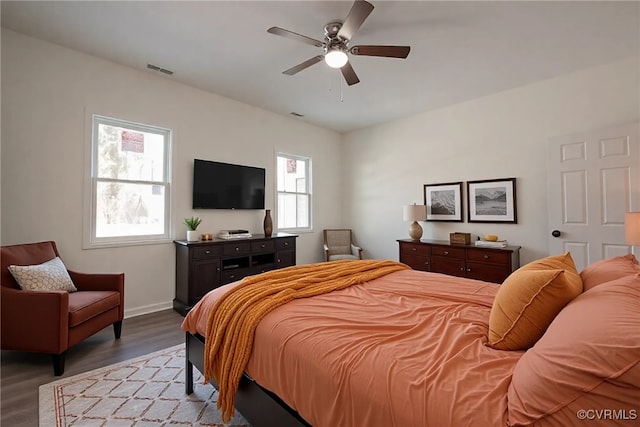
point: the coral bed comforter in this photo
(407, 349)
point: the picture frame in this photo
(492, 200)
(444, 201)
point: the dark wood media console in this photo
(204, 265)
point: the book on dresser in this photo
(490, 264)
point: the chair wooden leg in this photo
(117, 329)
(58, 363)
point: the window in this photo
(130, 194)
(294, 192)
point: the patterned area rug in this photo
(144, 392)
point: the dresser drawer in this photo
(447, 251)
(236, 249)
(488, 272)
(414, 249)
(485, 255)
(206, 252)
(417, 262)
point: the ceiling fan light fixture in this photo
(336, 58)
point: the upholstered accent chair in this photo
(52, 321)
(338, 244)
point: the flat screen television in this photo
(219, 185)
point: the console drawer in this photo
(236, 249)
(206, 252)
(264, 246)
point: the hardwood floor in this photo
(22, 373)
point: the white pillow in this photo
(49, 276)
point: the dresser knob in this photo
(486, 257)
(446, 252)
(237, 249)
(286, 243)
(263, 246)
(207, 252)
(414, 249)
(468, 269)
(461, 268)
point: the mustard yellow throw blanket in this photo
(235, 316)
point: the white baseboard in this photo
(151, 308)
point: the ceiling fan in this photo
(336, 44)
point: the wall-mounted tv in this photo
(219, 185)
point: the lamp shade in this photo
(415, 213)
(632, 228)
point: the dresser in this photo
(205, 265)
(473, 262)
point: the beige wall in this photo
(49, 92)
(498, 136)
(361, 180)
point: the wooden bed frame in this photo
(258, 405)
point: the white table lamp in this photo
(415, 213)
(632, 228)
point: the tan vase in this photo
(267, 224)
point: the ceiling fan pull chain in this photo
(341, 91)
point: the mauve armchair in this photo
(53, 321)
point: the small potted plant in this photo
(192, 225)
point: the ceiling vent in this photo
(160, 69)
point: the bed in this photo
(413, 348)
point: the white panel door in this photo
(593, 179)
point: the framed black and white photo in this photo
(492, 200)
(443, 201)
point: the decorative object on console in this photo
(459, 238)
(206, 236)
(443, 201)
(415, 213)
(492, 200)
(267, 223)
(234, 234)
(632, 228)
(192, 223)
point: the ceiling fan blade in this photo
(306, 64)
(349, 75)
(295, 36)
(358, 13)
(386, 51)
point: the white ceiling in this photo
(459, 50)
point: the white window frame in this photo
(91, 240)
(308, 192)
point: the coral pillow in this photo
(609, 269)
(48, 276)
(589, 358)
(529, 299)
